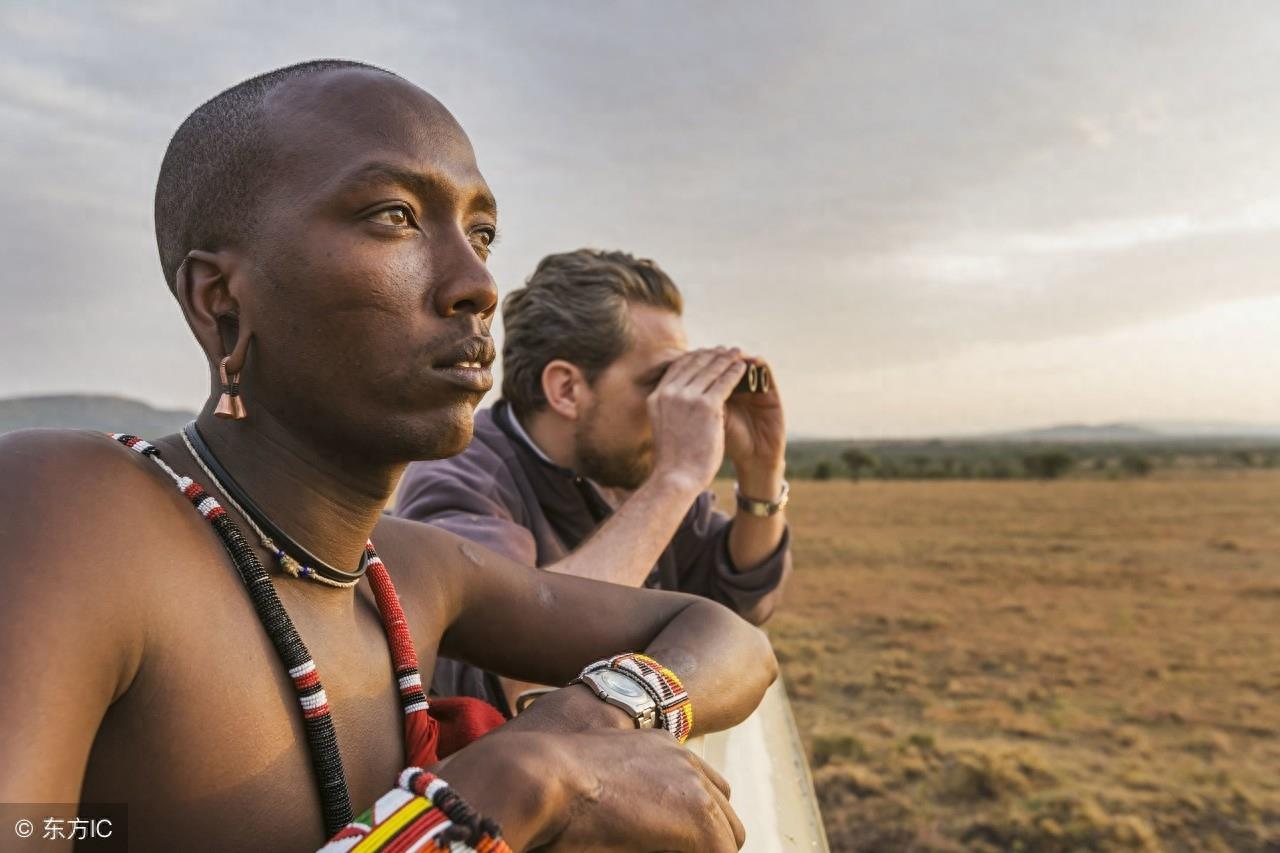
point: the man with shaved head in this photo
(220, 627)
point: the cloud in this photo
(844, 187)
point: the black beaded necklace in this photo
(322, 740)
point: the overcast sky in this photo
(932, 217)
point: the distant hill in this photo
(1099, 450)
(1074, 433)
(1139, 432)
(90, 411)
(1212, 430)
(1153, 432)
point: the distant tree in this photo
(822, 471)
(1001, 469)
(857, 461)
(1047, 464)
(1244, 458)
(1135, 465)
(918, 466)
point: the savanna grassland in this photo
(1077, 664)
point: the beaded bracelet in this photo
(675, 711)
(421, 813)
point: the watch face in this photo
(621, 684)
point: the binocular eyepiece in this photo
(755, 381)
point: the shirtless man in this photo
(326, 227)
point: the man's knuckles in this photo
(685, 396)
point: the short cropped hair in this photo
(216, 162)
(575, 307)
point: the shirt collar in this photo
(519, 430)
(505, 417)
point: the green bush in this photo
(1135, 465)
(1048, 464)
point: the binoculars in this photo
(755, 381)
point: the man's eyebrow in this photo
(421, 184)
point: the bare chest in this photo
(208, 747)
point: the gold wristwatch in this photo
(760, 508)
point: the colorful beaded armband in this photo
(675, 711)
(421, 813)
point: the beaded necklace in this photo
(420, 729)
(314, 568)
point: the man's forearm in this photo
(626, 547)
(725, 664)
(752, 538)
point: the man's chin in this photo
(441, 433)
(625, 477)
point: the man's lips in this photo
(474, 378)
(473, 352)
(467, 364)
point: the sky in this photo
(932, 218)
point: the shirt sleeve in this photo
(705, 567)
(476, 501)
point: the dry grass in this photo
(1040, 666)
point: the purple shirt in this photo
(504, 494)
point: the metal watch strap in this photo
(649, 718)
(762, 509)
(673, 711)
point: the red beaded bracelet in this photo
(675, 711)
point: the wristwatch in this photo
(760, 508)
(624, 692)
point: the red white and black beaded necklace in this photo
(421, 731)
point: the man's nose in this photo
(466, 284)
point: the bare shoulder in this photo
(69, 471)
(422, 552)
(70, 499)
(48, 446)
(430, 560)
(77, 537)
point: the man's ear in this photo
(565, 388)
(207, 289)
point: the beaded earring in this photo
(230, 405)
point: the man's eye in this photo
(483, 239)
(397, 216)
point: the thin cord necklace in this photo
(313, 568)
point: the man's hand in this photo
(697, 419)
(687, 411)
(600, 790)
(756, 440)
(643, 791)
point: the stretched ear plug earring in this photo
(230, 405)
